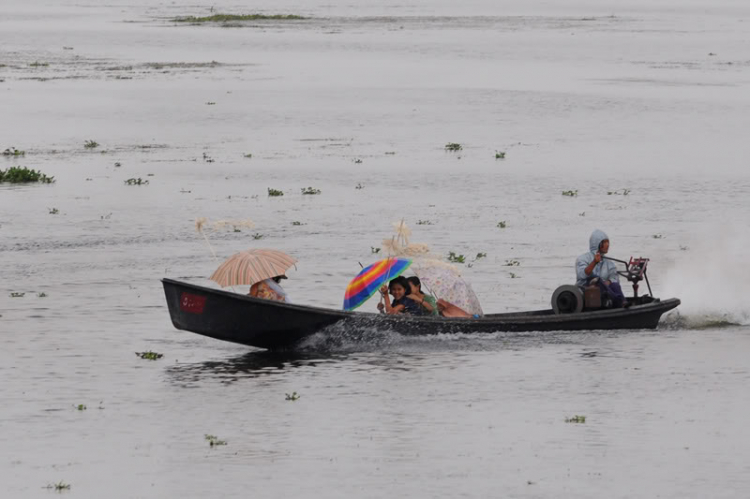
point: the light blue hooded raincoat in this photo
(604, 270)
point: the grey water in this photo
(640, 108)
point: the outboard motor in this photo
(567, 299)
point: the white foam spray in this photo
(711, 277)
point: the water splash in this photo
(711, 279)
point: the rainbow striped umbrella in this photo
(249, 267)
(371, 278)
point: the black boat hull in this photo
(268, 324)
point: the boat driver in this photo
(593, 268)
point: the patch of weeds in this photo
(12, 151)
(20, 175)
(293, 396)
(424, 222)
(91, 144)
(118, 165)
(42, 295)
(221, 18)
(620, 192)
(358, 161)
(207, 158)
(17, 294)
(136, 181)
(80, 407)
(37, 64)
(310, 191)
(571, 194)
(684, 248)
(502, 224)
(149, 355)
(106, 217)
(59, 486)
(576, 419)
(214, 441)
(248, 155)
(453, 146)
(184, 191)
(513, 275)
(237, 230)
(275, 192)
(390, 153)
(512, 263)
(53, 211)
(359, 186)
(480, 256)
(657, 236)
(257, 236)
(209, 103)
(297, 223)
(582, 214)
(374, 250)
(499, 154)
(454, 258)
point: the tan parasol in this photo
(251, 266)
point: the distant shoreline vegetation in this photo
(220, 18)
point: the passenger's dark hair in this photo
(415, 280)
(401, 281)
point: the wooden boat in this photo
(274, 325)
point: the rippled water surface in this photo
(641, 108)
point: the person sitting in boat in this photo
(269, 289)
(427, 302)
(593, 268)
(399, 288)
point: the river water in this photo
(640, 108)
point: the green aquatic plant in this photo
(213, 440)
(454, 258)
(38, 64)
(512, 263)
(209, 103)
(582, 214)
(424, 222)
(310, 190)
(274, 192)
(513, 275)
(292, 396)
(136, 181)
(42, 295)
(374, 250)
(453, 146)
(390, 153)
(684, 248)
(480, 256)
(12, 151)
(91, 144)
(297, 223)
(80, 407)
(207, 158)
(621, 192)
(20, 175)
(17, 294)
(222, 18)
(59, 486)
(576, 419)
(501, 224)
(149, 355)
(499, 154)
(248, 155)
(359, 186)
(657, 236)
(53, 211)
(118, 165)
(571, 194)
(258, 235)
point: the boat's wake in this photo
(703, 320)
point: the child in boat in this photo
(399, 288)
(427, 302)
(269, 289)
